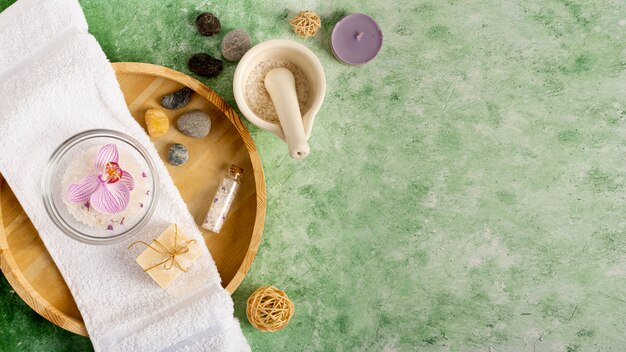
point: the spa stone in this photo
(235, 44)
(207, 24)
(178, 154)
(205, 65)
(196, 124)
(157, 122)
(177, 99)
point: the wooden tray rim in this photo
(33, 299)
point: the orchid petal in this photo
(128, 180)
(110, 198)
(81, 191)
(107, 153)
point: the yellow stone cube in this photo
(157, 122)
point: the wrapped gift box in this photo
(168, 256)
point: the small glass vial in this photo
(223, 199)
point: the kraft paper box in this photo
(168, 256)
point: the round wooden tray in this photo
(29, 268)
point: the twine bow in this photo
(170, 254)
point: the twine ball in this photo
(269, 309)
(306, 23)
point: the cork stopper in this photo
(235, 171)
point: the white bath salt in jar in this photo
(223, 199)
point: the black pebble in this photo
(177, 99)
(205, 65)
(207, 24)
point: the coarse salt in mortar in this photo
(259, 99)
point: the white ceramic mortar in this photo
(298, 55)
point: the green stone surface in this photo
(465, 191)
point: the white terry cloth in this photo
(50, 91)
(29, 24)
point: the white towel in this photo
(53, 85)
(29, 24)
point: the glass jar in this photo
(62, 161)
(223, 199)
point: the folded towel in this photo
(51, 90)
(29, 24)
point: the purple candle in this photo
(356, 39)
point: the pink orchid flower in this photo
(107, 190)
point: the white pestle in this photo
(281, 85)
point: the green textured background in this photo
(465, 191)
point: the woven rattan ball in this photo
(269, 309)
(306, 23)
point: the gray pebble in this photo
(235, 44)
(196, 124)
(178, 154)
(177, 99)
